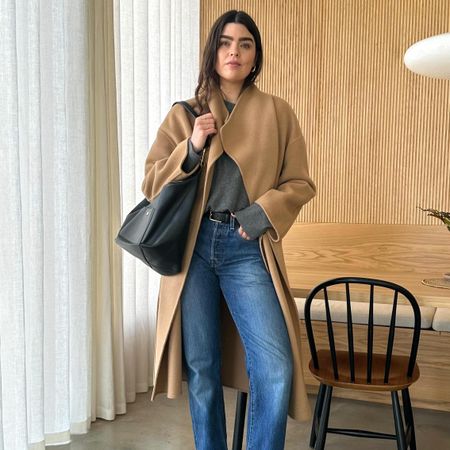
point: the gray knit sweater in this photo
(228, 191)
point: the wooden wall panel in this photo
(378, 135)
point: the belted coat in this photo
(263, 137)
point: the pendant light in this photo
(430, 57)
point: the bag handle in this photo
(188, 108)
(192, 111)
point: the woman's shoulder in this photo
(266, 97)
(178, 119)
(178, 108)
(281, 105)
(286, 116)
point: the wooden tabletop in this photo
(404, 254)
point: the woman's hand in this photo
(243, 234)
(204, 125)
(241, 231)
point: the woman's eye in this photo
(224, 43)
(246, 46)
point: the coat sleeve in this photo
(164, 162)
(295, 188)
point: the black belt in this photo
(219, 216)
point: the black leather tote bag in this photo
(156, 232)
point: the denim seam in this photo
(212, 262)
(252, 404)
(232, 222)
(251, 389)
(194, 423)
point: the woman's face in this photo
(236, 54)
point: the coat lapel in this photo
(220, 113)
(256, 150)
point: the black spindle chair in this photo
(368, 370)
(239, 420)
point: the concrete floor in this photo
(165, 425)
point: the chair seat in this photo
(398, 379)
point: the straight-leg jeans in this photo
(225, 262)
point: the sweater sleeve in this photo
(253, 220)
(193, 158)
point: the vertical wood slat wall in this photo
(378, 135)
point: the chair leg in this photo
(399, 430)
(409, 419)
(323, 425)
(239, 420)
(317, 414)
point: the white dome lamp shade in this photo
(430, 57)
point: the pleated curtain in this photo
(77, 322)
(45, 327)
(107, 359)
(157, 55)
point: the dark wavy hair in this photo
(208, 77)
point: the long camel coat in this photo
(263, 137)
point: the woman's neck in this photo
(231, 91)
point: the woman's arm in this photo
(173, 155)
(295, 188)
(164, 162)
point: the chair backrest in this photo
(347, 282)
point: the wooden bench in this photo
(398, 253)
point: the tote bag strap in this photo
(192, 111)
(188, 108)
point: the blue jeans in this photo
(224, 261)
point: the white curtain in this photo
(157, 61)
(61, 340)
(45, 332)
(107, 370)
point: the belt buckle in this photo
(211, 218)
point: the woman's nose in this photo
(234, 52)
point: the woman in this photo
(254, 183)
